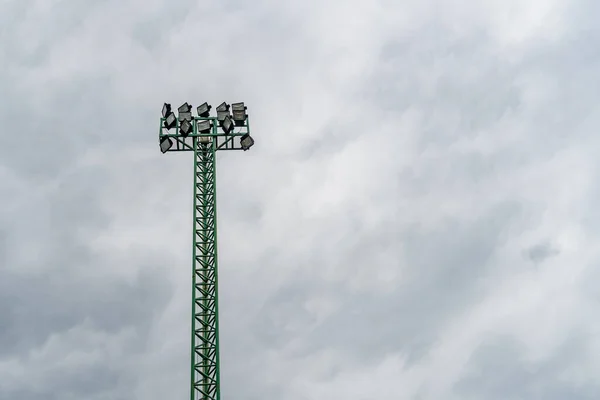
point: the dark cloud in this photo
(541, 252)
(499, 369)
(36, 307)
(446, 268)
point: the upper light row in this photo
(227, 120)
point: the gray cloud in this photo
(541, 252)
(499, 370)
(412, 161)
(448, 265)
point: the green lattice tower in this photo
(205, 382)
(205, 323)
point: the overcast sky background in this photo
(418, 220)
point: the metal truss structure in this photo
(205, 379)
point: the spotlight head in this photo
(227, 125)
(238, 106)
(165, 144)
(166, 110)
(223, 107)
(222, 111)
(246, 142)
(185, 107)
(170, 121)
(204, 110)
(239, 113)
(185, 128)
(204, 126)
(185, 112)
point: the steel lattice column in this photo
(205, 324)
(207, 136)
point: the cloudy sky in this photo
(418, 220)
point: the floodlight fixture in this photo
(170, 121)
(166, 110)
(227, 125)
(185, 116)
(204, 126)
(185, 128)
(204, 110)
(246, 141)
(185, 112)
(222, 111)
(165, 144)
(185, 107)
(239, 113)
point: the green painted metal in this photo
(230, 141)
(205, 367)
(205, 316)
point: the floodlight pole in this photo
(205, 371)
